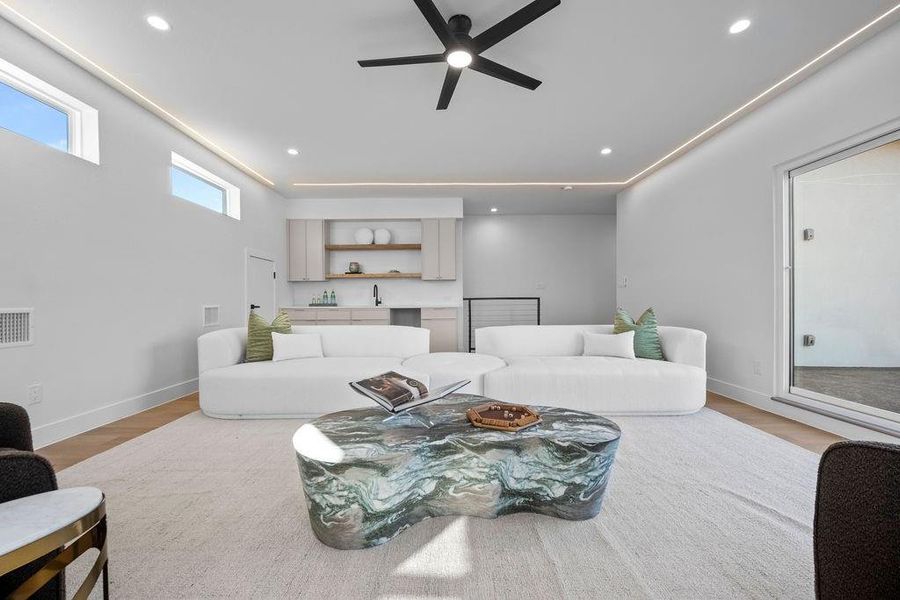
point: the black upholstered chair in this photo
(856, 534)
(24, 473)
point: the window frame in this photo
(83, 120)
(232, 194)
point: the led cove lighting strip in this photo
(188, 129)
(461, 184)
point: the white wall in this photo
(696, 239)
(847, 278)
(351, 213)
(567, 260)
(115, 267)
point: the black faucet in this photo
(375, 294)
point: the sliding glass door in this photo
(845, 272)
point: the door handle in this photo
(252, 306)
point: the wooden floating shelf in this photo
(373, 246)
(374, 276)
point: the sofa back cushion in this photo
(679, 344)
(369, 340)
(535, 340)
(226, 347)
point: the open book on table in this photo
(397, 393)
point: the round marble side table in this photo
(71, 520)
(366, 480)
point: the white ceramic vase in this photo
(364, 235)
(382, 236)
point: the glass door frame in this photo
(838, 408)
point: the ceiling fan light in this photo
(459, 59)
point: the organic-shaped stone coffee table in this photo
(367, 480)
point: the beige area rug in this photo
(700, 506)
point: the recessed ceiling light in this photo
(606, 151)
(739, 26)
(567, 188)
(459, 59)
(494, 209)
(293, 151)
(157, 22)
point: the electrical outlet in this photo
(35, 393)
(757, 367)
(623, 282)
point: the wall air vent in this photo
(16, 327)
(210, 315)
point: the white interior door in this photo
(260, 285)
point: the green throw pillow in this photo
(259, 335)
(646, 336)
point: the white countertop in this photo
(417, 305)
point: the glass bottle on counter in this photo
(333, 299)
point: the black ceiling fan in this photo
(461, 50)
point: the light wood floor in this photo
(802, 435)
(80, 447)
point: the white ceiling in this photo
(640, 77)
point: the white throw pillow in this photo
(286, 346)
(608, 344)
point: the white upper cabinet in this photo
(306, 250)
(438, 249)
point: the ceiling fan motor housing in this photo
(460, 24)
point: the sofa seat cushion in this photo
(292, 388)
(444, 368)
(600, 384)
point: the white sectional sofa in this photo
(233, 389)
(545, 366)
(540, 365)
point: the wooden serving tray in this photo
(502, 416)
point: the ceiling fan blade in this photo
(489, 67)
(450, 82)
(402, 60)
(513, 23)
(437, 22)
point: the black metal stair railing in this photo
(489, 312)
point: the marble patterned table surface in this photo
(367, 480)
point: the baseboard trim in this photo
(736, 392)
(57, 431)
(765, 402)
